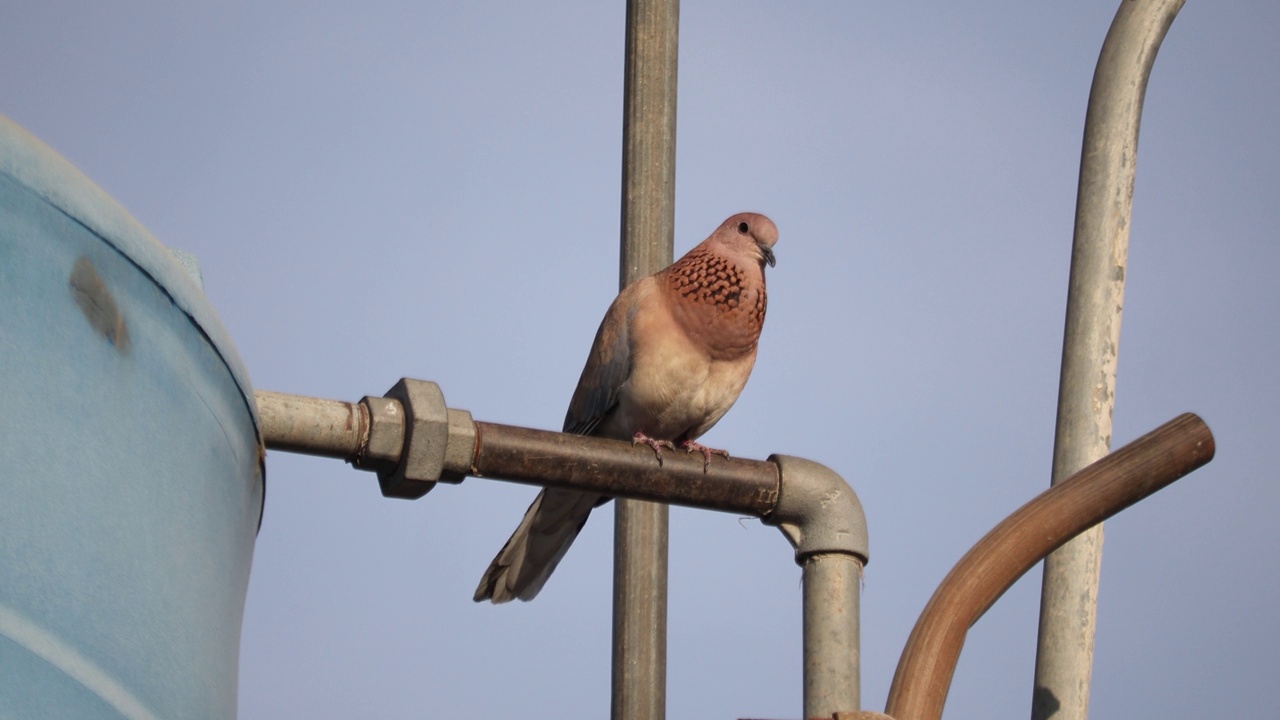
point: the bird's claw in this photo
(657, 445)
(690, 446)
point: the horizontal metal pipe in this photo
(337, 429)
(541, 457)
(1097, 492)
(819, 513)
(313, 426)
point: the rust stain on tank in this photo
(98, 304)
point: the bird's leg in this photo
(657, 445)
(690, 446)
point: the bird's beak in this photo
(767, 252)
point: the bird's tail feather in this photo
(531, 554)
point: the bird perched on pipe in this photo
(670, 358)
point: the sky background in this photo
(378, 190)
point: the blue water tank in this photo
(131, 475)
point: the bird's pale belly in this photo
(682, 397)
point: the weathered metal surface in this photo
(812, 505)
(1095, 299)
(639, 688)
(832, 634)
(426, 437)
(1097, 492)
(312, 426)
(614, 467)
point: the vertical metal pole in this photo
(832, 584)
(648, 222)
(1095, 298)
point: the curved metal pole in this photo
(1095, 298)
(1099, 491)
(648, 221)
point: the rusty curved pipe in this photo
(1013, 547)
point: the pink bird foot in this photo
(691, 446)
(657, 445)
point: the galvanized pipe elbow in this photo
(818, 511)
(823, 518)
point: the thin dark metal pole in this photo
(649, 138)
(1090, 353)
(648, 222)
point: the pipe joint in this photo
(381, 445)
(415, 440)
(818, 511)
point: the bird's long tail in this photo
(548, 529)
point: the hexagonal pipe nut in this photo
(426, 436)
(381, 452)
(460, 451)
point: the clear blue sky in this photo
(431, 189)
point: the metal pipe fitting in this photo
(823, 519)
(818, 511)
(381, 446)
(813, 506)
(1013, 547)
(426, 437)
(409, 437)
(376, 438)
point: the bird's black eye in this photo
(743, 228)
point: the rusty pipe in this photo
(369, 434)
(1106, 487)
(412, 440)
(552, 459)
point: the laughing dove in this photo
(670, 358)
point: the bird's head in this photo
(751, 235)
